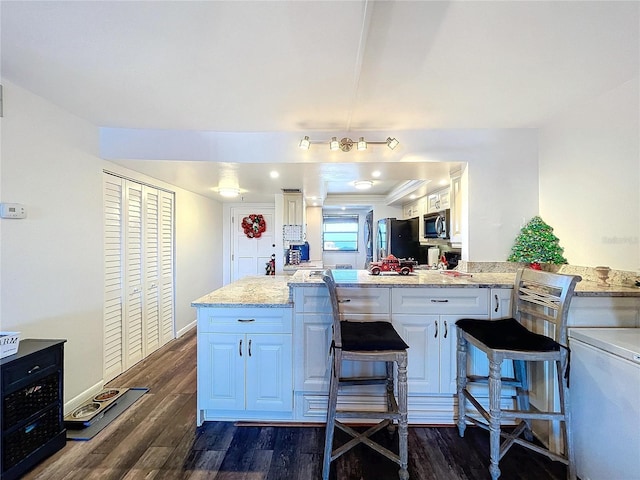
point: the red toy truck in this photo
(393, 264)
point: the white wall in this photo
(502, 193)
(51, 265)
(590, 179)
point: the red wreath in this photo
(254, 225)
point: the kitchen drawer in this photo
(450, 301)
(364, 301)
(312, 300)
(35, 366)
(244, 320)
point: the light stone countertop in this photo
(419, 279)
(275, 291)
(435, 279)
(264, 291)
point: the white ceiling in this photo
(344, 68)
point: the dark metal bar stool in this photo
(366, 342)
(540, 303)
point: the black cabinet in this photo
(31, 406)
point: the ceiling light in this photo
(392, 143)
(304, 143)
(229, 191)
(346, 144)
(274, 174)
(376, 174)
(363, 184)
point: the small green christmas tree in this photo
(537, 244)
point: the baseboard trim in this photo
(184, 330)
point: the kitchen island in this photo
(263, 342)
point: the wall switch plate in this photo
(12, 210)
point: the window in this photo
(340, 233)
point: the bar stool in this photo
(540, 303)
(366, 342)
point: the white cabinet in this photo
(293, 211)
(456, 206)
(411, 210)
(438, 201)
(312, 333)
(500, 303)
(244, 363)
(312, 339)
(312, 342)
(431, 340)
(425, 318)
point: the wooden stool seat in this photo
(540, 304)
(373, 341)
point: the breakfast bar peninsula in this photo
(263, 341)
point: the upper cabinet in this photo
(413, 209)
(456, 209)
(438, 201)
(293, 213)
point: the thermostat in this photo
(12, 210)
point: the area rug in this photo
(124, 402)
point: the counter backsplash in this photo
(616, 277)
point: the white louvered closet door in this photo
(139, 242)
(133, 274)
(151, 271)
(113, 312)
(166, 261)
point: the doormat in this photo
(124, 402)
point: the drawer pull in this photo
(246, 320)
(240, 348)
(34, 369)
(346, 300)
(435, 300)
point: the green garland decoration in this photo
(536, 243)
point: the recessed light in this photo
(412, 196)
(274, 174)
(376, 174)
(444, 181)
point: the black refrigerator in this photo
(398, 237)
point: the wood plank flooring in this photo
(157, 439)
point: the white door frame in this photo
(228, 210)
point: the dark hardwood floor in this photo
(157, 439)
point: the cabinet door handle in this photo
(240, 348)
(246, 320)
(249, 347)
(436, 334)
(346, 300)
(446, 329)
(34, 369)
(497, 303)
(435, 300)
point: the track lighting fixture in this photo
(346, 144)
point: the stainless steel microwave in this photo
(436, 224)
